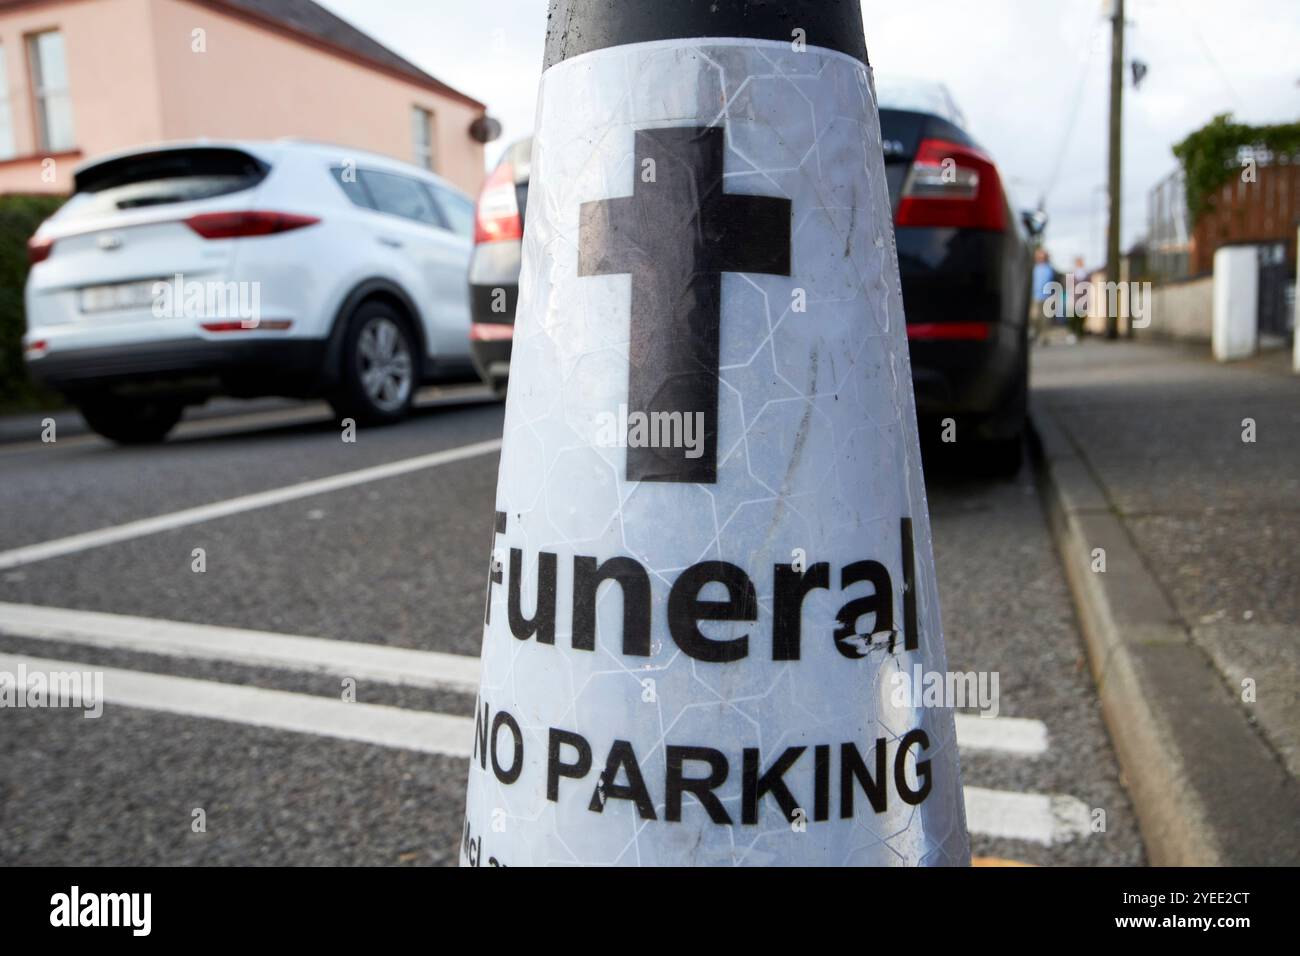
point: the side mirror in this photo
(1035, 221)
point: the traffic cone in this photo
(712, 579)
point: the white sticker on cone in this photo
(712, 551)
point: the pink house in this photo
(83, 77)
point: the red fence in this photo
(1267, 210)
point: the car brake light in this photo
(963, 331)
(38, 250)
(491, 331)
(235, 225)
(496, 216)
(952, 185)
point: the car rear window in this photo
(520, 156)
(351, 185)
(917, 96)
(162, 178)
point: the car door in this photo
(458, 214)
(414, 227)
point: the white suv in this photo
(178, 272)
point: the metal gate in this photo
(1275, 290)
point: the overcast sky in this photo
(1016, 67)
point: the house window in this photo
(422, 137)
(7, 149)
(53, 102)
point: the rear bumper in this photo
(492, 355)
(494, 281)
(493, 296)
(965, 295)
(247, 367)
(968, 378)
(958, 377)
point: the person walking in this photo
(1082, 296)
(1043, 281)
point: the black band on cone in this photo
(580, 26)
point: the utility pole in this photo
(1116, 155)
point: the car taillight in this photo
(496, 217)
(952, 185)
(235, 225)
(491, 331)
(963, 331)
(38, 250)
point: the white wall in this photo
(1183, 311)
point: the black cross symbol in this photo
(676, 235)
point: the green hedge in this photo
(19, 217)
(1209, 155)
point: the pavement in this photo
(1183, 476)
(306, 697)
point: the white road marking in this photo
(364, 662)
(276, 709)
(389, 665)
(1046, 819)
(1035, 817)
(232, 506)
(1014, 735)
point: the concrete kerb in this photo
(1206, 788)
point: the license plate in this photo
(120, 297)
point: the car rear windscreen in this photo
(520, 156)
(162, 178)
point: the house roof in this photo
(308, 21)
(312, 20)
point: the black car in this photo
(965, 261)
(963, 256)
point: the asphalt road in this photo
(400, 561)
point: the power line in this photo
(1068, 131)
(1209, 55)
